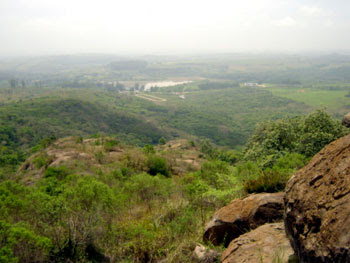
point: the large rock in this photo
(317, 206)
(242, 215)
(267, 243)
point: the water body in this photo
(161, 84)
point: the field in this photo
(313, 97)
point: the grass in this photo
(317, 98)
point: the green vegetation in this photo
(108, 201)
(304, 135)
(314, 96)
(95, 169)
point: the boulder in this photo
(242, 215)
(317, 206)
(346, 120)
(202, 254)
(267, 243)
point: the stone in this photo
(346, 120)
(265, 244)
(242, 215)
(317, 206)
(202, 254)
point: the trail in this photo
(150, 97)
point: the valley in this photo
(95, 167)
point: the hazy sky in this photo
(32, 27)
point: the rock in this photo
(202, 254)
(267, 243)
(346, 120)
(317, 206)
(242, 215)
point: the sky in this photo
(50, 27)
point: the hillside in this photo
(101, 200)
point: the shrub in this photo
(157, 165)
(269, 181)
(57, 172)
(79, 139)
(162, 141)
(135, 160)
(20, 244)
(100, 157)
(43, 160)
(148, 149)
(290, 161)
(147, 188)
(109, 144)
(44, 143)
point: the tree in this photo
(304, 135)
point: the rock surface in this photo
(242, 215)
(202, 254)
(346, 120)
(317, 206)
(266, 244)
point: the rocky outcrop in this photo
(204, 255)
(317, 206)
(267, 243)
(242, 215)
(346, 120)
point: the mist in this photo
(41, 27)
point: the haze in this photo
(41, 27)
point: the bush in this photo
(44, 143)
(20, 244)
(148, 149)
(162, 141)
(109, 144)
(157, 165)
(147, 188)
(43, 160)
(79, 139)
(100, 157)
(269, 181)
(57, 172)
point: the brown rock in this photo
(242, 215)
(317, 206)
(266, 244)
(346, 120)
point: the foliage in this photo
(57, 172)
(42, 160)
(256, 179)
(162, 141)
(304, 135)
(148, 149)
(157, 165)
(20, 244)
(119, 202)
(268, 181)
(147, 188)
(109, 144)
